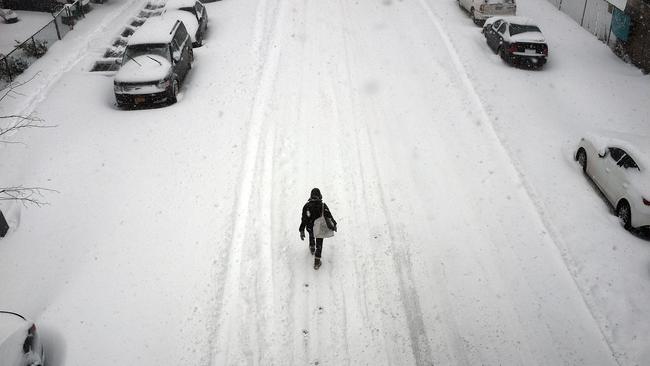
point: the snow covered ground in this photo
(467, 233)
(29, 23)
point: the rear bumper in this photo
(488, 13)
(641, 217)
(527, 60)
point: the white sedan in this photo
(619, 165)
(19, 341)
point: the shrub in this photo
(10, 67)
(34, 47)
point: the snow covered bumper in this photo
(641, 216)
(141, 93)
(491, 10)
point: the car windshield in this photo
(134, 51)
(518, 28)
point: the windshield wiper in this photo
(159, 63)
(129, 56)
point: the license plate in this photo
(529, 51)
(138, 100)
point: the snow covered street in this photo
(467, 233)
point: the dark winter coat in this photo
(311, 211)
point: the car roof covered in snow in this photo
(636, 145)
(154, 30)
(188, 19)
(512, 20)
(177, 4)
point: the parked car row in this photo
(617, 163)
(159, 55)
(517, 40)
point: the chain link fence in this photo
(26, 53)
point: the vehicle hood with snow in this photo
(142, 69)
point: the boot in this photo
(317, 263)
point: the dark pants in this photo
(315, 242)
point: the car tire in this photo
(472, 15)
(624, 214)
(581, 158)
(173, 93)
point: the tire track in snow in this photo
(228, 301)
(473, 95)
(408, 295)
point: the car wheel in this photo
(624, 214)
(191, 57)
(173, 92)
(581, 157)
(472, 15)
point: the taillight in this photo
(646, 202)
(32, 330)
(545, 51)
(512, 48)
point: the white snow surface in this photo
(29, 22)
(467, 233)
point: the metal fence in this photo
(26, 53)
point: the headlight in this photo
(163, 84)
(117, 88)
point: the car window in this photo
(502, 28)
(199, 8)
(181, 35)
(615, 153)
(496, 24)
(627, 162)
(134, 51)
(518, 28)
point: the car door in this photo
(491, 33)
(500, 35)
(620, 176)
(607, 176)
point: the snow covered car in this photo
(8, 15)
(19, 341)
(480, 10)
(618, 164)
(517, 40)
(157, 58)
(196, 29)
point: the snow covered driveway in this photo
(174, 241)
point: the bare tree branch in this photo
(11, 88)
(26, 195)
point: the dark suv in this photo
(156, 61)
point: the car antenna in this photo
(160, 63)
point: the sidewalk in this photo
(88, 35)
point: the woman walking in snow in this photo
(312, 210)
